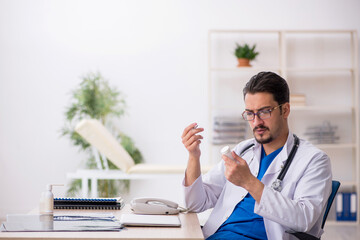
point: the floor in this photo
(333, 232)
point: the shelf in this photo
(347, 184)
(326, 69)
(319, 109)
(334, 31)
(336, 146)
(245, 69)
(324, 109)
(327, 79)
(320, 146)
(243, 31)
(340, 223)
(286, 31)
(277, 69)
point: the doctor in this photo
(246, 203)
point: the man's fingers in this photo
(187, 140)
(236, 157)
(189, 132)
(193, 139)
(195, 143)
(188, 128)
(230, 162)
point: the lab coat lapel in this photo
(254, 159)
(279, 162)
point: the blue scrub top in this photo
(243, 223)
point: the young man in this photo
(246, 200)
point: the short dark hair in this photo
(271, 83)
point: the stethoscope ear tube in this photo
(245, 149)
(289, 160)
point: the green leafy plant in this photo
(245, 51)
(94, 98)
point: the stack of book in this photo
(297, 99)
(229, 130)
(89, 203)
(346, 208)
(322, 134)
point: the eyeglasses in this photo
(262, 114)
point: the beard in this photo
(261, 139)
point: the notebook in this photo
(150, 220)
(89, 203)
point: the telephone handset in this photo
(154, 206)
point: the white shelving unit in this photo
(322, 65)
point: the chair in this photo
(306, 236)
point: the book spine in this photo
(88, 203)
(89, 207)
(353, 207)
(339, 207)
(346, 206)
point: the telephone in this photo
(154, 206)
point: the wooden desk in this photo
(190, 229)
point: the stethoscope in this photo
(277, 184)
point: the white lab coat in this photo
(299, 206)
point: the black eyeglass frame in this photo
(266, 111)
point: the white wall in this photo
(155, 52)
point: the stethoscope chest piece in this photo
(276, 185)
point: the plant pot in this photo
(243, 62)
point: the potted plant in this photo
(245, 54)
(94, 98)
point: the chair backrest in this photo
(335, 188)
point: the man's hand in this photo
(238, 172)
(192, 140)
